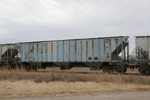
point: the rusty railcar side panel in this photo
(96, 50)
(73, 51)
(66, 51)
(40, 52)
(60, 51)
(35, 52)
(107, 48)
(54, 51)
(23, 52)
(31, 51)
(49, 51)
(79, 50)
(101, 50)
(90, 50)
(45, 52)
(84, 50)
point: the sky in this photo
(38, 20)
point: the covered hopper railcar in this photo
(106, 53)
(143, 54)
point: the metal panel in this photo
(40, 51)
(102, 54)
(31, 52)
(96, 50)
(26, 52)
(114, 44)
(90, 50)
(44, 51)
(72, 51)
(49, 53)
(23, 52)
(60, 51)
(84, 50)
(35, 57)
(79, 50)
(66, 51)
(107, 49)
(54, 52)
(24, 57)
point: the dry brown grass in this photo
(30, 84)
(39, 77)
(31, 89)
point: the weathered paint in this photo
(72, 51)
(96, 50)
(107, 49)
(102, 54)
(66, 51)
(77, 50)
(23, 57)
(54, 51)
(35, 52)
(84, 50)
(90, 50)
(31, 51)
(44, 51)
(40, 52)
(60, 51)
(49, 51)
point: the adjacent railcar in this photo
(143, 53)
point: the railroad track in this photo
(84, 71)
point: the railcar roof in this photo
(147, 36)
(65, 40)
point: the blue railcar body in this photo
(89, 51)
(80, 50)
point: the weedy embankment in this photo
(19, 83)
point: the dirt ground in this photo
(106, 96)
(22, 89)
